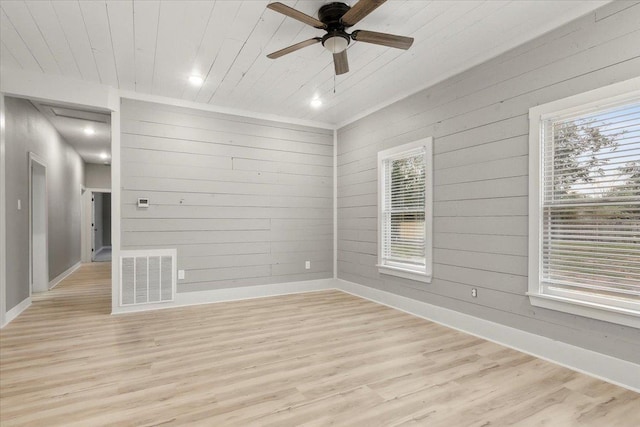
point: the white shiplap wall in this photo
(479, 120)
(245, 201)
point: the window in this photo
(584, 201)
(405, 212)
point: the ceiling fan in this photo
(334, 18)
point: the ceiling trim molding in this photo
(137, 96)
(73, 92)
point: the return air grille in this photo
(147, 276)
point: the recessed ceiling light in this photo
(89, 131)
(316, 103)
(104, 155)
(195, 80)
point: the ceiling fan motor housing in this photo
(331, 14)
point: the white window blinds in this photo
(403, 210)
(590, 226)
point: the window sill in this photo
(586, 309)
(404, 273)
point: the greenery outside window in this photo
(584, 230)
(405, 210)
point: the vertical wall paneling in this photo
(19, 50)
(479, 121)
(44, 16)
(208, 54)
(71, 20)
(245, 201)
(180, 30)
(120, 18)
(96, 21)
(145, 23)
(19, 16)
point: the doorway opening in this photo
(96, 225)
(38, 233)
(101, 227)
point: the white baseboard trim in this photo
(16, 311)
(233, 294)
(60, 277)
(598, 365)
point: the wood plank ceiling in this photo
(153, 46)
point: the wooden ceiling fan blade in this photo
(384, 39)
(294, 47)
(340, 62)
(359, 11)
(296, 14)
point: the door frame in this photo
(86, 230)
(3, 215)
(94, 249)
(34, 159)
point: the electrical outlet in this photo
(474, 292)
(307, 265)
(180, 274)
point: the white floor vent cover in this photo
(147, 276)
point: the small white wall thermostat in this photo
(143, 203)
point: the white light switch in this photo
(19, 204)
(307, 265)
(180, 274)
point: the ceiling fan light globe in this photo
(335, 44)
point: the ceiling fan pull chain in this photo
(334, 84)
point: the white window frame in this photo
(398, 270)
(601, 308)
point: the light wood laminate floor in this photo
(308, 359)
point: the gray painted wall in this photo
(97, 176)
(245, 201)
(27, 130)
(479, 120)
